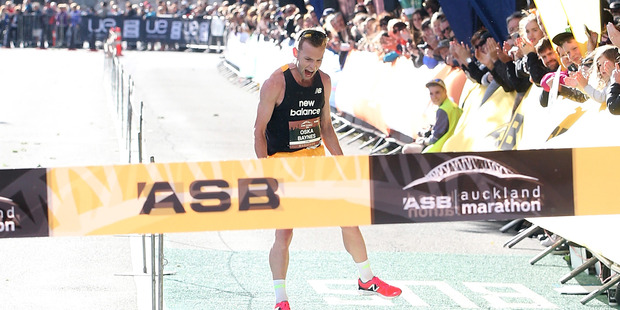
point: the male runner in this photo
(294, 94)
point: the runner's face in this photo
(309, 60)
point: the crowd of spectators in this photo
(425, 37)
(524, 58)
(50, 24)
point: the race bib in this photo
(305, 133)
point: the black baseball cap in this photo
(562, 37)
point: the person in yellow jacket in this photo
(447, 117)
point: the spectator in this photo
(431, 6)
(75, 19)
(604, 64)
(429, 50)
(341, 41)
(370, 8)
(614, 9)
(436, 25)
(49, 24)
(529, 29)
(472, 67)
(529, 66)
(37, 30)
(62, 23)
(570, 49)
(447, 117)
(418, 16)
(217, 28)
(445, 29)
(12, 21)
(443, 49)
(551, 63)
(613, 95)
(3, 23)
(389, 47)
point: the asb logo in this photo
(209, 196)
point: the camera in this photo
(573, 68)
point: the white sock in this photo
(280, 288)
(365, 271)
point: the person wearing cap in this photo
(429, 57)
(447, 116)
(570, 48)
(443, 50)
(399, 33)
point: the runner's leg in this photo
(278, 261)
(354, 243)
(278, 256)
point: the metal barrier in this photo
(33, 30)
(129, 113)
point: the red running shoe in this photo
(376, 286)
(283, 305)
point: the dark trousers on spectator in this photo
(61, 32)
(72, 36)
(49, 34)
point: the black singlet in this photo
(295, 123)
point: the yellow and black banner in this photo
(307, 192)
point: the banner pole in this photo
(153, 279)
(160, 275)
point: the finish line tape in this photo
(307, 192)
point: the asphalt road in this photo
(55, 113)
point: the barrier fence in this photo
(33, 30)
(122, 87)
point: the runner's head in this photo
(316, 38)
(309, 52)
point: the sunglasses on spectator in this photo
(448, 29)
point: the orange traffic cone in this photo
(119, 45)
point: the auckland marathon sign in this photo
(461, 186)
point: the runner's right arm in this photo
(269, 95)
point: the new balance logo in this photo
(318, 90)
(373, 288)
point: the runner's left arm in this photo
(327, 129)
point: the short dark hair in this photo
(543, 45)
(426, 24)
(517, 14)
(477, 36)
(315, 37)
(422, 12)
